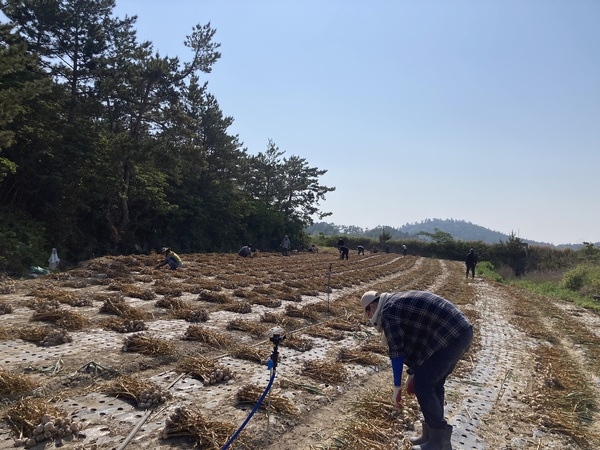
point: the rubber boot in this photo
(424, 437)
(439, 439)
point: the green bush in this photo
(575, 279)
(24, 243)
(487, 270)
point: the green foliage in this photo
(24, 243)
(486, 269)
(575, 279)
(384, 236)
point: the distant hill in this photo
(459, 229)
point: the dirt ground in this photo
(529, 381)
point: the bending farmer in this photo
(429, 335)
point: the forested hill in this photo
(459, 229)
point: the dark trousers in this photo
(430, 377)
(470, 268)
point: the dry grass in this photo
(144, 393)
(297, 343)
(251, 393)
(240, 307)
(304, 313)
(375, 423)
(208, 336)
(13, 384)
(344, 325)
(63, 318)
(5, 307)
(214, 297)
(118, 307)
(146, 344)
(204, 369)
(331, 372)
(123, 325)
(172, 303)
(249, 353)
(359, 356)
(26, 414)
(254, 328)
(325, 333)
(265, 301)
(206, 434)
(33, 333)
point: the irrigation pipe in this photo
(260, 400)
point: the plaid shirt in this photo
(417, 324)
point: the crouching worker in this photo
(429, 335)
(171, 258)
(246, 251)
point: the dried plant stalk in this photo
(359, 356)
(204, 369)
(326, 333)
(344, 324)
(326, 371)
(207, 434)
(305, 313)
(238, 307)
(297, 343)
(145, 393)
(118, 307)
(147, 345)
(15, 384)
(254, 328)
(251, 393)
(207, 336)
(256, 354)
(66, 319)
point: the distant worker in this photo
(340, 243)
(313, 249)
(404, 250)
(285, 246)
(361, 250)
(54, 260)
(344, 252)
(246, 250)
(471, 262)
(172, 259)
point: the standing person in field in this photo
(285, 246)
(404, 250)
(344, 251)
(429, 335)
(471, 262)
(361, 249)
(172, 259)
(340, 243)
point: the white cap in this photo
(368, 298)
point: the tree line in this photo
(107, 147)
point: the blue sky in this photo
(484, 111)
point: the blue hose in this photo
(260, 400)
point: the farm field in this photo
(118, 355)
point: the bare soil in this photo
(529, 381)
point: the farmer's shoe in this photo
(439, 439)
(424, 437)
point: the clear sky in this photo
(484, 111)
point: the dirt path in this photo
(500, 397)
